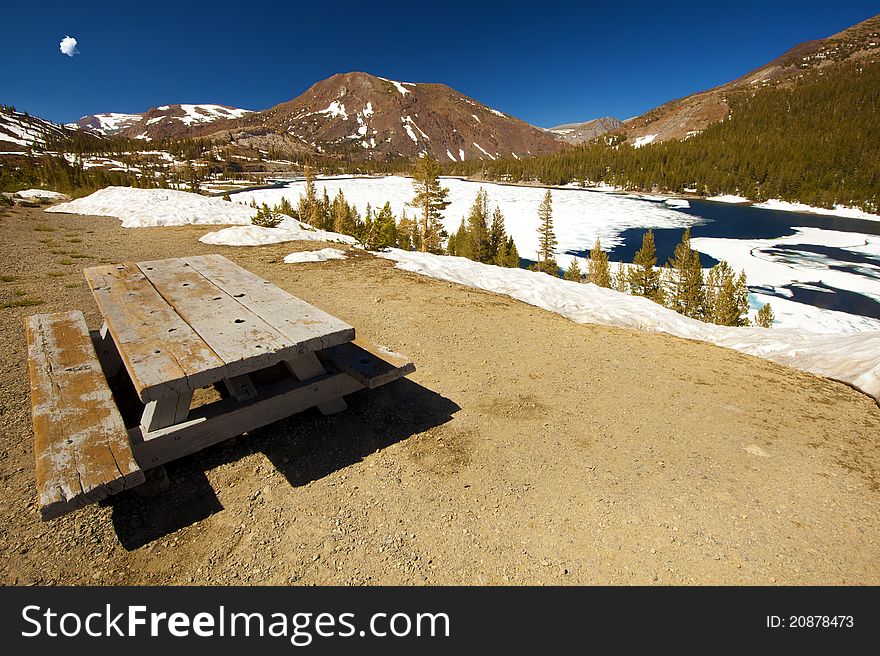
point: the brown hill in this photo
(684, 117)
(362, 116)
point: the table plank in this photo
(242, 339)
(80, 442)
(309, 328)
(160, 351)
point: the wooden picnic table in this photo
(175, 326)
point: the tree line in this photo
(814, 142)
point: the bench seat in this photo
(369, 364)
(81, 445)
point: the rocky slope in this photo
(578, 133)
(685, 117)
(20, 131)
(362, 116)
(158, 122)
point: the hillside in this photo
(20, 132)
(803, 129)
(578, 133)
(163, 122)
(685, 117)
(360, 116)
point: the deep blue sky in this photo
(547, 63)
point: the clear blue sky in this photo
(547, 63)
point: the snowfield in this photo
(850, 358)
(579, 216)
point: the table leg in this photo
(308, 366)
(241, 388)
(166, 412)
(108, 354)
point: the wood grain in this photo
(161, 352)
(307, 327)
(80, 441)
(369, 364)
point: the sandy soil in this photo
(526, 449)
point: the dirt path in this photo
(526, 449)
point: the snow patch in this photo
(851, 358)
(315, 256)
(144, 208)
(644, 141)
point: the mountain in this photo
(20, 131)
(688, 116)
(158, 122)
(578, 133)
(356, 116)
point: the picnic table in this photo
(172, 327)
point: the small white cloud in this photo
(68, 46)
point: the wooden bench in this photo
(80, 441)
(347, 368)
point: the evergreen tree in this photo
(265, 217)
(726, 296)
(308, 202)
(458, 242)
(685, 291)
(479, 248)
(574, 271)
(765, 317)
(644, 278)
(431, 200)
(598, 271)
(497, 234)
(407, 234)
(620, 281)
(386, 227)
(508, 256)
(546, 237)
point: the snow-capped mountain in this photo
(158, 122)
(685, 117)
(20, 131)
(578, 133)
(362, 116)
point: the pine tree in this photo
(726, 295)
(620, 280)
(574, 271)
(479, 248)
(510, 256)
(765, 317)
(385, 228)
(407, 233)
(644, 278)
(308, 202)
(497, 234)
(546, 238)
(431, 200)
(458, 242)
(265, 217)
(598, 272)
(685, 291)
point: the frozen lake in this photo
(819, 272)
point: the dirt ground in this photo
(525, 449)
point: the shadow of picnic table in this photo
(304, 448)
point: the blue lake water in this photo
(736, 221)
